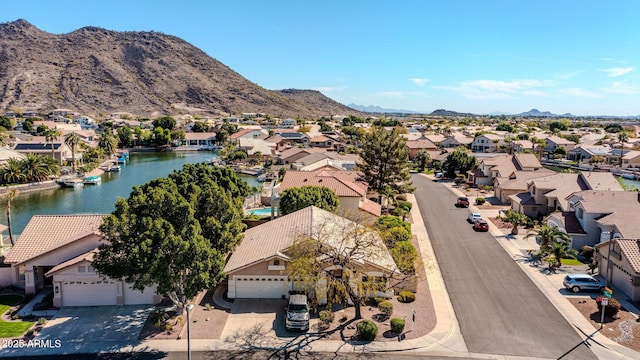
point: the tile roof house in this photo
(619, 262)
(502, 165)
(55, 250)
(422, 144)
(455, 140)
(258, 266)
(487, 143)
(351, 192)
(554, 142)
(246, 133)
(61, 151)
(200, 140)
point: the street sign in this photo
(605, 301)
(607, 292)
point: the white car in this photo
(473, 217)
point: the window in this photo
(276, 262)
(82, 269)
(580, 213)
(90, 269)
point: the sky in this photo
(580, 57)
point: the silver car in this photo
(579, 282)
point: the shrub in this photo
(480, 200)
(404, 255)
(611, 309)
(326, 316)
(30, 332)
(41, 321)
(405, 205)
(367, 330)
(406, 296)
(395, 235)
(402, 197)
(343, 318)
(386, 308)
(387, 222)
(397, 325)
(208, 307)
(168, 327)
(15, 317)
(378, 299)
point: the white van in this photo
(297, 313)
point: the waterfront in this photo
(100, 199)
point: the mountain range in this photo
(96, 71)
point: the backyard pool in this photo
(261, 211)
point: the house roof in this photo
(342, 186)
(44, 233)
(435, 138)
(242, 132)
(291, 135)
(630, 248)
(6, 154)
(561, 185)
(601, 181)
(312, 158)
(320, 138)
(276, 236)
(88, 256)
(527, 161)
(30, 146)
(559, 141)
(517, 180)
(199, 135)
(421, 144)
(371, 207)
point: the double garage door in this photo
(261, 287)
(100, 293)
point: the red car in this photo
(480, 225)
(462, 202)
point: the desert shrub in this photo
(397, 325)
(326, 316)
(41, 321)
(378, 299)
(404, 255)
(30, 332)
(395, 235)
(405, 205)
(367, 330)
(15, 317)
(385, 307)
(208, 307)
(402, 197)
(167, 327)
(480, 200)
(406, 296)
(387, 222)
(611, 309)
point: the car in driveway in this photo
(297, 313)
(580, 282)
(480, 225)
(473, 217)
(462, 202)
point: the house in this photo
(246, 133)
(416, 146)
(6, 154)
(321, 141)
(61, 151)
(258, 266)
(584, 153)
(351, 192)
(522, 146)
(554, 142)
(288, 123)
(253, 147)
(456, 140)
(619, 262)
(296, 137)
(56, 250)
(201, 140)
(487, 143)
(516, 183)
(630, 158)
(292, 155)
(502, 165)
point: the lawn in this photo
(11, 329)
(571, 262)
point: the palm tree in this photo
(515, 219)
(108, 142)
(623, 137)
(52, 135)
(387, 192)
(72, 140)
(422, 157)
(36, 167)
(12, 172)
(11, 194)
(561, 250)
(547, 235)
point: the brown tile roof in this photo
(276, 236)
(518, 179)
(601, 181)
(527, 161)
(88, 256)
(341, 184)
(421, 144)
(320, 138)
(44, 233)
(371, 207)
(630, 248)
(561, 186)
(199, 135)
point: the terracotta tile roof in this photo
(371, 207)
(88, 256)
(340, 185)
(199, 135)
(276, 236)
(630, 248)
(320, 138)
(421, 144)
(241, 133)
(44, 233)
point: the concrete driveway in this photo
(90, 330)
(257, 322)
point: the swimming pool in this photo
(261, 211)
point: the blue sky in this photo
(581, 57)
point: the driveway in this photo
(89, 330)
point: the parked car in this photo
(480, 225)
(473, 217)
(462, 202)
(579, 282)
(297, 313)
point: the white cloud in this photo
(499, 89)
(419, 81)
(567, 75)
(617, 71)
(391, 94)
(621, 87)
(579, 92)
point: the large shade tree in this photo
(458, 162)
(385, 161)
(175, 232)
(297, 198)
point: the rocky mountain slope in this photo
(97, 71)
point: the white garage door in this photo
(88, 293)
(260, 287)
(137, 297)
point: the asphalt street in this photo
(499, 309)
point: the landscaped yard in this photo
(11, 329)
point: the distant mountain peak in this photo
(379, 110)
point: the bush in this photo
(378, 299)
(406, 296)
(367, 330)
(387, 222)
(405, 205)
(404, 255)
(397, 325)
(401, 197)
(480, 200)
(30, 332)
(208, 307)
(386, 308)
(326, 316)
(41, 321)
(395, 235)
(611, 309)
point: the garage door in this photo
(260, 287)
(88, 293)
(137, 297)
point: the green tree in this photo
(108, 142)
(125, 136)
(165, 122)
(546, 234)
(422, 158)
(458, 162)
(504, 126)
(174, 232)
(623, 137)
(199, 127)
(72, 140)
(7, 123)
(51, 135)
(297, 198)
(515, 219)
(161, 136)
(561, 250)
(557, 126)
(385, 161)
(27, 125)
(12, 172)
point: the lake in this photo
(100, 199)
